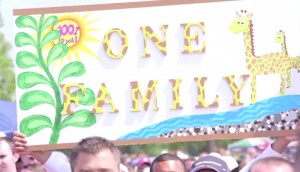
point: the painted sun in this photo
(76, 31)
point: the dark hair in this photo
(9, 142)
(237, 169)
(166, 157)
(269, 161)
(93, 145)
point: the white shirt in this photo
(56, 163)
(268, 152)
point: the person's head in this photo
(272, 164)
(223, 151)
(209, 163)
(28, 159)
(143, 163)
(8, 157)
(95, 153)
(167, 162)
(252, 152)
(33, 168)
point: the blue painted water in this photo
(244, 115)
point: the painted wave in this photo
(246, 114)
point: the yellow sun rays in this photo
(76, 31)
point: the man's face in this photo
(7, 158)
(102, 161)
(168, 166)
(28, 159)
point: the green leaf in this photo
(26, 22)
(87, 99)
(34, 123)
(23, 39)
(82, 118)
(26, 60)
(72, 69)
(50, 36)
(34, 98)
(56, 52)
(30, 79)
(50, 21)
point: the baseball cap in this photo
(210, 162)
(231, 162)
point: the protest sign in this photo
(142, 72)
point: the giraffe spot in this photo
(248, 48)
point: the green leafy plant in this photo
(7, 74)
(26, 60)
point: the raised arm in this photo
(21, 148)
(51, 161)
(273, 150)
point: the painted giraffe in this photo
(258, 65)
(294, 62)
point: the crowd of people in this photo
(97, 154)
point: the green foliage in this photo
(72, 69)
(23, 39)
(57, 52)
(225, 143)
(26, 22)
(52, 20)
(26, 60)
(81, 118)
(29, 79)
(34, 98)
(88, 98)
(191, 148)
(31, 124)
(7, 75)
(50, 36)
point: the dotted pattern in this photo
(277, 122)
